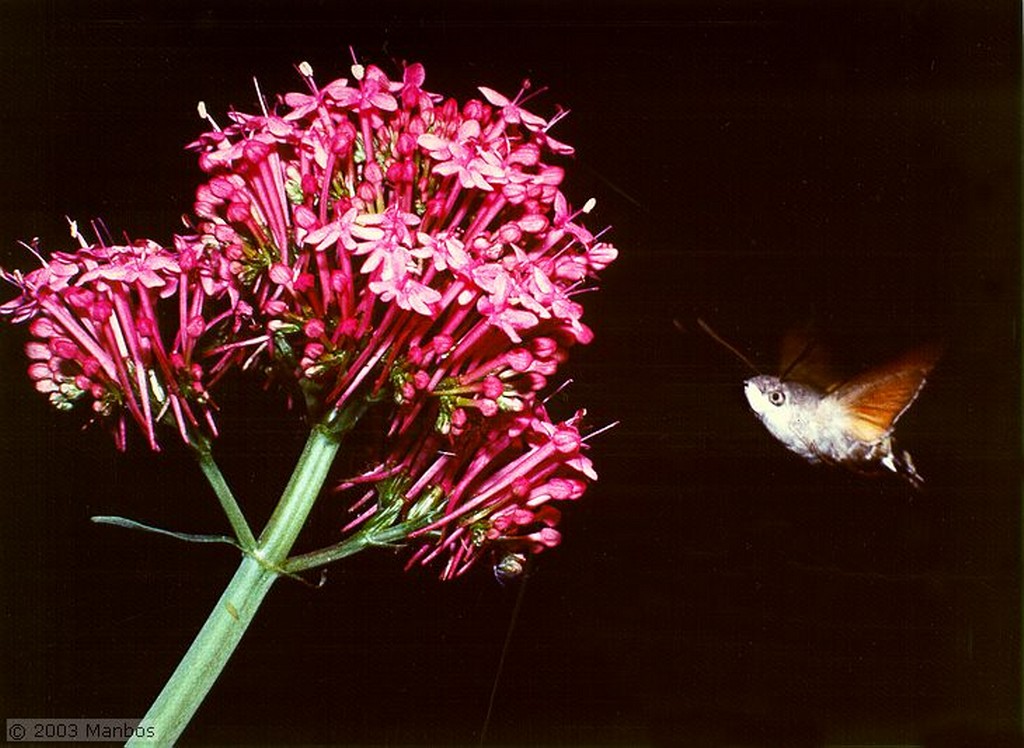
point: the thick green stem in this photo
(291, 512)
(213, 646)
(223, 630)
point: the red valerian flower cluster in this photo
(389, 239)
(362, 241)
(495, 490)
(97, 335)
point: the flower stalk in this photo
(360, 541)
(290, 515)
(243, 534)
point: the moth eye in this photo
(776, 397)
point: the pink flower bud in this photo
(519, 359)
(46, 386)
(100, 310)
(343, 138)
(544, 347)
(39, 371)
(373, 174)
(533, 223)
(314, 328)
(441, 343)
(310, 186)
(406, 144)
(63, 348)
(42, 327)
(535, 381)
(339, 281)
(564, 489)
(601, 255)
(366, 191)
(527, 154)
(402, 172)
(79, 298)
(474, 109)
(280, 274)
(584, 335)
(196, 326)
(221, 187)
(304, 217)
(275, 308)
(255, 151)
(566, 439)
(549, 537)
(37, 351)
(510, 233)
(239, 212)
(492, 387)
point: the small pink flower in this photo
(349, 230)
(465, 156)
(511, 112)
(374, 92)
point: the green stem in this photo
(291, 512)
(352, 545)
(198, 670)
(213, 646)
(227, 499)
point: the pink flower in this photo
(374, 92)
(511, 112)
(464, 156)
(346, 230)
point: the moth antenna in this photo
(718, 339)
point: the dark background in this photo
(761, 164)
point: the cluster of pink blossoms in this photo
(495, 489)
(363, 241)
(97, 334)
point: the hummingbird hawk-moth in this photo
(827, 419)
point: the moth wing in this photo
(803, 360)
(876, 399)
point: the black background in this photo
(761, 164)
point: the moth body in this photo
(849, 423)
